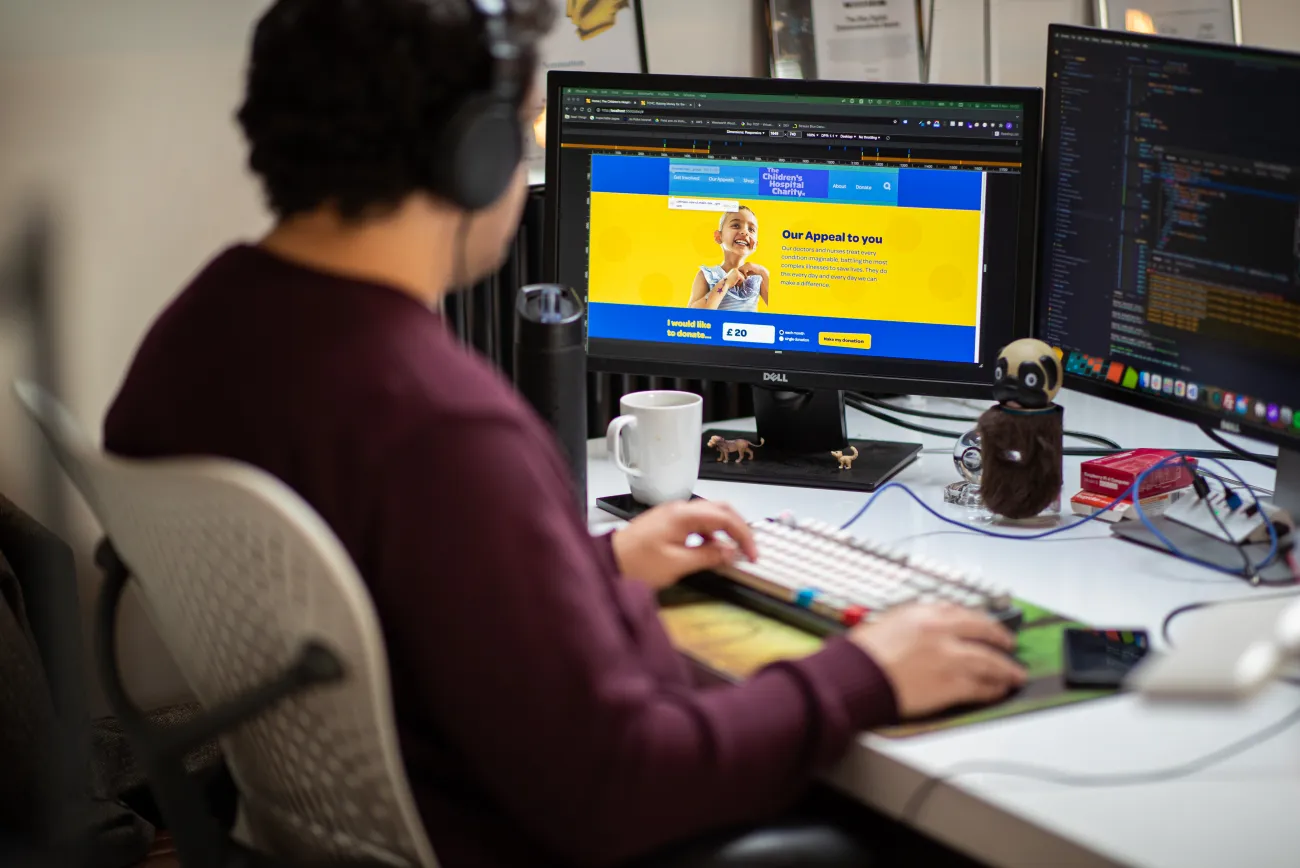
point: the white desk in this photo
(1239, 813)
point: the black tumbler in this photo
(551, 368)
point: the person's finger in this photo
(707, 556)
(988, 664)
(978, 627)
(983, 692)
(709, 518)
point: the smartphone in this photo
(1102, 658)
(625, 506)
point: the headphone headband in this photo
(501, 48)
(483, 140)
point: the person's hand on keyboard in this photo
(656, 548)
(937, 656)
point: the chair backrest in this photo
(238, 573)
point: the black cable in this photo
(1203, 604)
(946, 417)
(1181, 610)
(893, 420)
(1095, 438)
(910, 411)
(1266, 460)
(1232, 483)
(1090, 452)
(1202, 489)
(1117, 779)
(851, 400)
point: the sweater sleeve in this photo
(495, 593)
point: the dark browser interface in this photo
(729, 228)
(981, 136)
(1171, 239)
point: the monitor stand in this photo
(1286, 488)
(799, 430)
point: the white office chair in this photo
(274, 632)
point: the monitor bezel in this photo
(1184, 412)
(785, 371)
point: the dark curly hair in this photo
(345, 98)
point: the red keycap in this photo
(853, 615)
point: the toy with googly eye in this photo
(1021, 436)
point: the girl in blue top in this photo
(735, 284)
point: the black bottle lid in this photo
(550, 316)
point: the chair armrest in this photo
(794, 844)
(315, 665)
(200, 841)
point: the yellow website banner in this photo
(827, 259)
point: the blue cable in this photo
(1146, 521)
(1125, 495)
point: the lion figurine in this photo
(846, 461)
(741, 448)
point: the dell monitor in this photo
(1169, 268)
(804, 237)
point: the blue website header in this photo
(867, 185)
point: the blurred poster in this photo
(1209, 20)
(594, 35)
(849, 40)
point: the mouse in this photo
(1287, 628)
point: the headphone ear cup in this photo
(479, 153)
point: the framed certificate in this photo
(1210, 20)
(846, 40)
(593, 35)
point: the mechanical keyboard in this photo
(823, 579)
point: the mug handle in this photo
(614, 443)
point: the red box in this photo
(1113, 474)
(1089, 502)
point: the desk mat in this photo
(733, 642)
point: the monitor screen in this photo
(814, 233)
(1169, 272)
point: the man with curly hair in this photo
(544, 717)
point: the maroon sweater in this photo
(544, 717)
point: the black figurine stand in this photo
(801, 429)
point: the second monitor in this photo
(802, 237)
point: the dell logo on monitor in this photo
(774, 378)
(1230, 426)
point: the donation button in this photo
(844, 339)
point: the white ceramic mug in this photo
(656, 442)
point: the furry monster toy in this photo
(1020, 437)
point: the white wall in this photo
(1271, 23)
(120, 111)
(119, 115)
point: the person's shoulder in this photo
(468, 428)
(435, 387)
(450, 380)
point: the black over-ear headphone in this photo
(482, 143)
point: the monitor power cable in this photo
(1266, 460)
